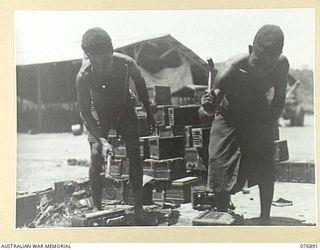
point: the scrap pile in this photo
(175, 162)
(54, 206)
(176, 157)
(69, 204)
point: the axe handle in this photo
(209, 82)
(108, 165)
(211, 67)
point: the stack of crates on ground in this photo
(300, 171)
(179, 149)
(168, 156)
(184, 121)
(167, 162)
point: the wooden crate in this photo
(119, 167)
(169, 169)
(164, 131)
(149, 172)
(192, 158)
(186, 132)
(281, 150)
(120, 152)
(159, 197)
(159, 94)
(181, 189)
(202, 198)
(311, 172)
(144, 146)
(166, 147)
(212, 218)
(161, 115)
(115, 189)
(110, 217)
(200, 137)
(26, 209)
(282, 171)
(184, 116)
(298, 171)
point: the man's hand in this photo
(208, 102)
(133, 98)
(151, 122)
(106, 147)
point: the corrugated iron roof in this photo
(192, 57)
(74, 52)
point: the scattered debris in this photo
(77, 129)
(231, 206)
(78, 162)
(246, 191)
(70, 204)
(79, 194)
(213, 218)
(282, 203)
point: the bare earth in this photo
(42, 160)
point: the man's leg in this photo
(266, 189)
(224, 160)
(265, 177)
(131, 138)
(94, 175)
(223, 201)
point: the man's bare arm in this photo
(140, 85)
(84, 100)
(280, 88)
(223, 84)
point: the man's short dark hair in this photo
(95, 41)
(270, 37)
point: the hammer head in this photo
(210, 63)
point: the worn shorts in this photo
(238, 154)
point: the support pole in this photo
(39, 73)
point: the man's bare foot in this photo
(96, 209)
(265, 221)
(108, 176)
(140, 218)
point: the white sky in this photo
(41, 35)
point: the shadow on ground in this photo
(277, 221)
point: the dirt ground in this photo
(42, 160)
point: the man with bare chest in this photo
(105, 102)
(241, 138)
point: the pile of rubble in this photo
(69, 204)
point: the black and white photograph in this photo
(165, 118)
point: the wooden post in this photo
(41, 70)
(39, 97)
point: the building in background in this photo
(46, 91)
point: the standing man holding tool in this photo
(241, 138)
(205, 117)
(106, 102)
